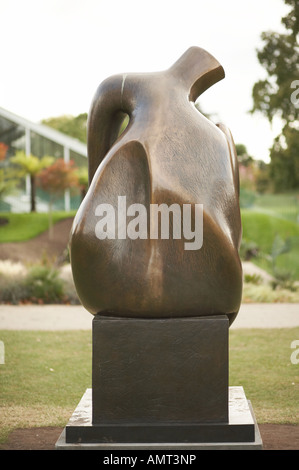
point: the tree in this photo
(70, 125)
(55, 179)
(58, 177)
(284, 167)
(273, 96)
(243, 157)
(7, 182)
(82, 175)
(254, 175)
(3, 150)
(32, 166)
(280, 58)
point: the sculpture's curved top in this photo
(171, 160)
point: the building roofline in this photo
(66, 141)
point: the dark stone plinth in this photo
(161, 384)
(159, 378)
(241, 432)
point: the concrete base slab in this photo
(81, 434)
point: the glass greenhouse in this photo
(17, 133)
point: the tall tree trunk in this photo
(50, 218)
(32, 193)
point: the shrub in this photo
(39, 284)
(248, 249)
(43, 283)
(283, 280)
(253, 279)
(247, 197)
(265, 293)
(12, 289)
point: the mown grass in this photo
(262, 229)
(23, 227)
(284, 205)
(260, 361)
(46, 373)
(44, 376)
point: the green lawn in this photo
(46, 373)
(282, 205)
(262, 228)
(260, 361)
(43, 378)
(25, 226)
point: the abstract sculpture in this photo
(170, 162)
(154, 254)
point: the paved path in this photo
(64, 317)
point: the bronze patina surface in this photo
(168, 154)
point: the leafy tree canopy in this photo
(69, 125)
(275, 96)
(280, 58)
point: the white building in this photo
(37, 139)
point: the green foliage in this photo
(267, 293)
(58, 177)
(43, 283)
(280, 58)
(242, 154)
(262, 228)
(73, 126)
(273, 239)
(283, 279)
(272, 97)
(263, 183)
(124, 124)
(248, 249)
(82, 176)
(284, 166)
(247, 197)
(8, 181)
(279, 247)
(283, 205)
(13, 289)
(31, 164)
(40, 283)
(7, 178)
(253, 279)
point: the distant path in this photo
(264, 315)
(66, 317)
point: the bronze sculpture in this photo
(168, 154)
(154, 253)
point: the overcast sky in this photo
(54, 53)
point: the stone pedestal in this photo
(161, 383)
(240, 433)
(160, 371)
